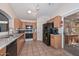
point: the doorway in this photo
(71, 33)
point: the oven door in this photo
(28, 35)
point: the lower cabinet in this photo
(56, 41)
(20, 43)
(34, 36)
(3, 52)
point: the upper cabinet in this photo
(17, 23)
(57, 21)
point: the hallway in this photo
(37, 48)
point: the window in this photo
(3, 23)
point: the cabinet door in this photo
(20, 43)
(60, 42)
(17, 23)
(57, 21)
(18, 46)
(34, 36)
(52, 41)
(57, 41)
(3, 52)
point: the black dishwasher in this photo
(11, 49)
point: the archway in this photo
(4, 24)
(70, 35)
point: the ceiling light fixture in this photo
(29, 11)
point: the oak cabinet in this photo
(34, 36)
(17, 23)
(3, 52)
(57, 22)
(20, 43)
(56, 41)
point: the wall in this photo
(40, 22)
(6, 8)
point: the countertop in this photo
(71, 34)
(55, 34)
(6, 41)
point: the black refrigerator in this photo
(47, 30)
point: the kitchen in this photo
(29, 31)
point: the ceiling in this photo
(38, 10)
(73, 16)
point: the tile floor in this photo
(38, 48)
